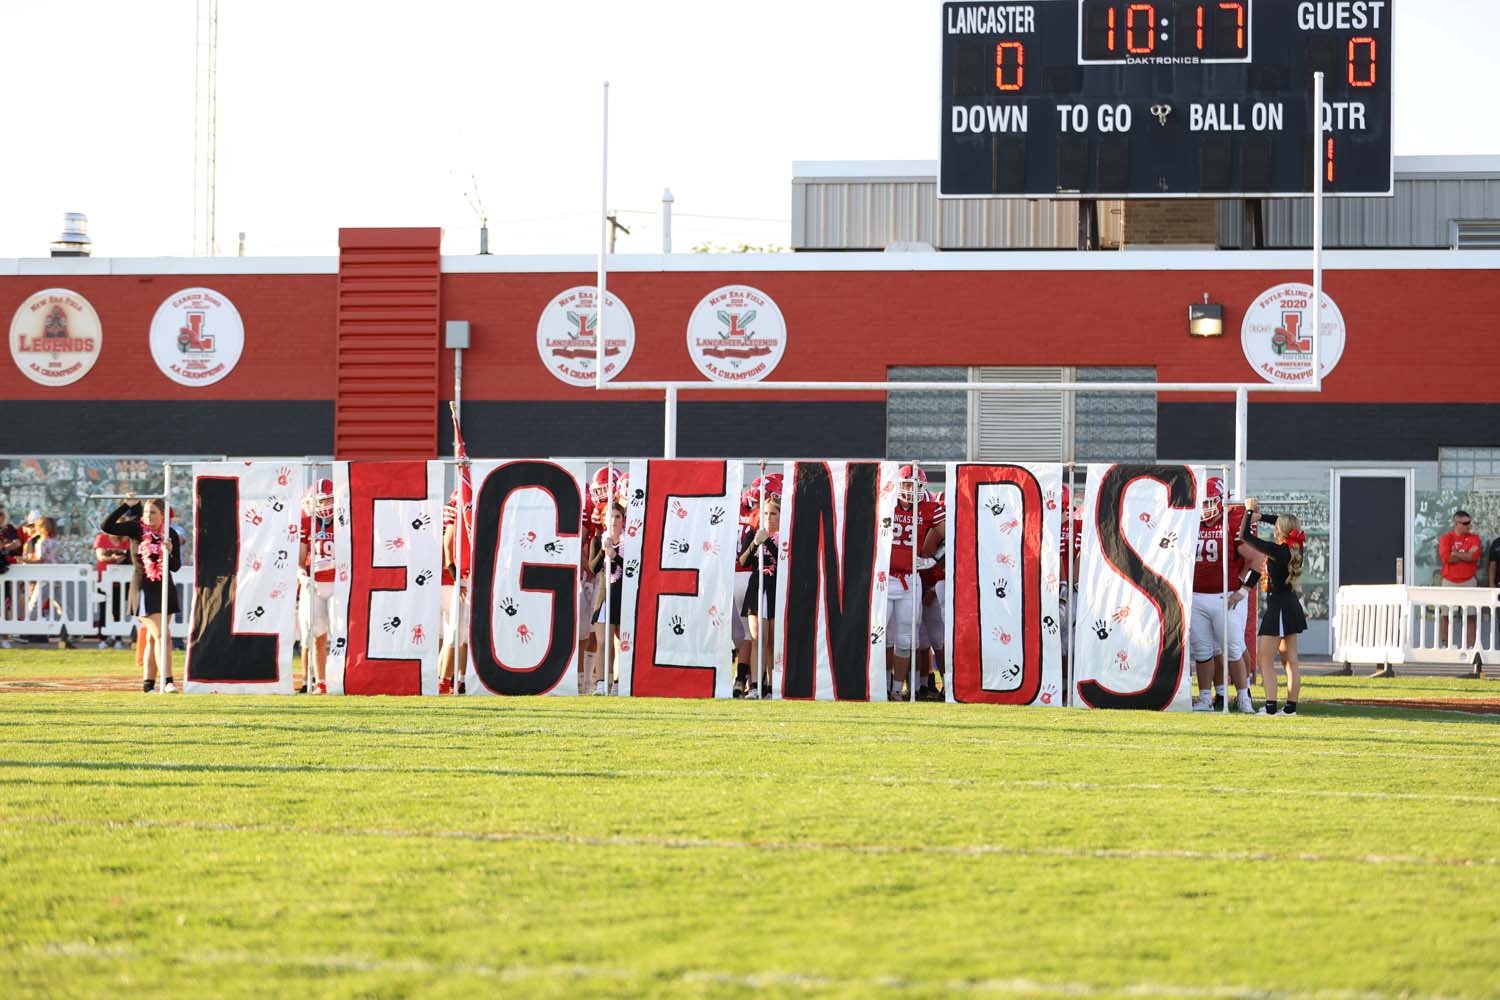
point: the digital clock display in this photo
(1177, 98)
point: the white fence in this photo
(42, 600)
(1393, 624)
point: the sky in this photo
(336, 113)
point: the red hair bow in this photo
(1297, 538)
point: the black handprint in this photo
(996, 507)
(877, 635)
(343, 518)
(885, 524)
(1051, 625)
(632, 566)
(1012, 672)
(1101, 629)
(1000, 588)
(677, 626)
(553, 547)
(679, 546)
(254, 614)
(423, 577)
(509, 607)
(716, 515)
(420, 522)
(1169, 540)
(281, 558)
(338, 646)
(638, 497)
(276, 504)
(391, 624)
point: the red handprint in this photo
(679, 509)
(1048, 693)
(624, 642)
(1005, 559)
(252, 516)
(1122, 661)
(395, 544)
(524, 634)
(283, 474)
(528, 539)
(711, 546)
(1121, 613)
(1010, 526)
(418, 635)
(633, 528)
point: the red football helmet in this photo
(771, 484)
(622, 490)
(913, 483)
(604, 484)
(1213, 499)
(323, 497)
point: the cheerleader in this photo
(145, 525)
(1283, 619)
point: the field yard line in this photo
(808, 777)
(738, 844)
(754, 980)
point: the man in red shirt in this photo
(110, 550)
(316, 562)
(915, 512)
(1459, 550)
(1215, 595)
(931, 633)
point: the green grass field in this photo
(222, 846)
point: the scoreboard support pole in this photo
(1317, 228)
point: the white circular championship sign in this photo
(736, 334)
(196, 337)
(567, 341)
(1277, 334)
(55, 337)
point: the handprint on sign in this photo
(716, 515)
(679, 546)
(420, 521)
(274, 502)
(1121, 613)
(677, 626)
(880, 580)
(283, 475)
(281, 558)
(715, 618)
(1147, 520)
(391, 624)
(711, 547)
(1051, 499)
(1001, 588)
(1048, 693)
(509, 607)
(278, 592)
(292, 532)
(1010, 525)
(1122, 661)
(252, 516)
(633, 528)
(1050, 624)
(423, 577)
(418, 635)
(679, 509)
(254, 614)
(996, 507)
(553, 547)
(624, 642)
(632, 567)
(1101, 629)
(877, 634)
(252, 563)
(1168, 540)
(343, 572)
(1011, 672)
(523, 633)
(1005, 559)
(528, 539)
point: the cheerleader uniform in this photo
(767, 577)
(1283, 614)
(145, 593)
(616, 582)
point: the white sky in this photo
(335, 113)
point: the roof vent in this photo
(74, 241)
(1475, 234)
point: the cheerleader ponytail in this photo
(1290, 529)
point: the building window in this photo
(927, 426)
(1466, 469)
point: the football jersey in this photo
(909, 527)
(939, 570)
(1069, 537)
(450, 516)
(317, 535)
(1208, 569)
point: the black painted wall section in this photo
(154, 427)
(724, 429)
(1345, 432)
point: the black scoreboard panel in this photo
(1178, 98)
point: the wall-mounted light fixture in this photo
(1206, 320)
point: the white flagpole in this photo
(911, 590)
(603, 250)
(164, 654)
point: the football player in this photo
(456, 560)
(1212, 602)
(316, 563)
(930, 634)
(915, 512)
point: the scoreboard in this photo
(1177, 98)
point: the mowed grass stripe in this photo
(737, 850)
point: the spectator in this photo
(1459, 551)
(43, 547)
(10, 540)
(1494, 557)
(110, 550)
(605, 557)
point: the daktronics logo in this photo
(55, 337)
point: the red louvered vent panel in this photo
(388, 346)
